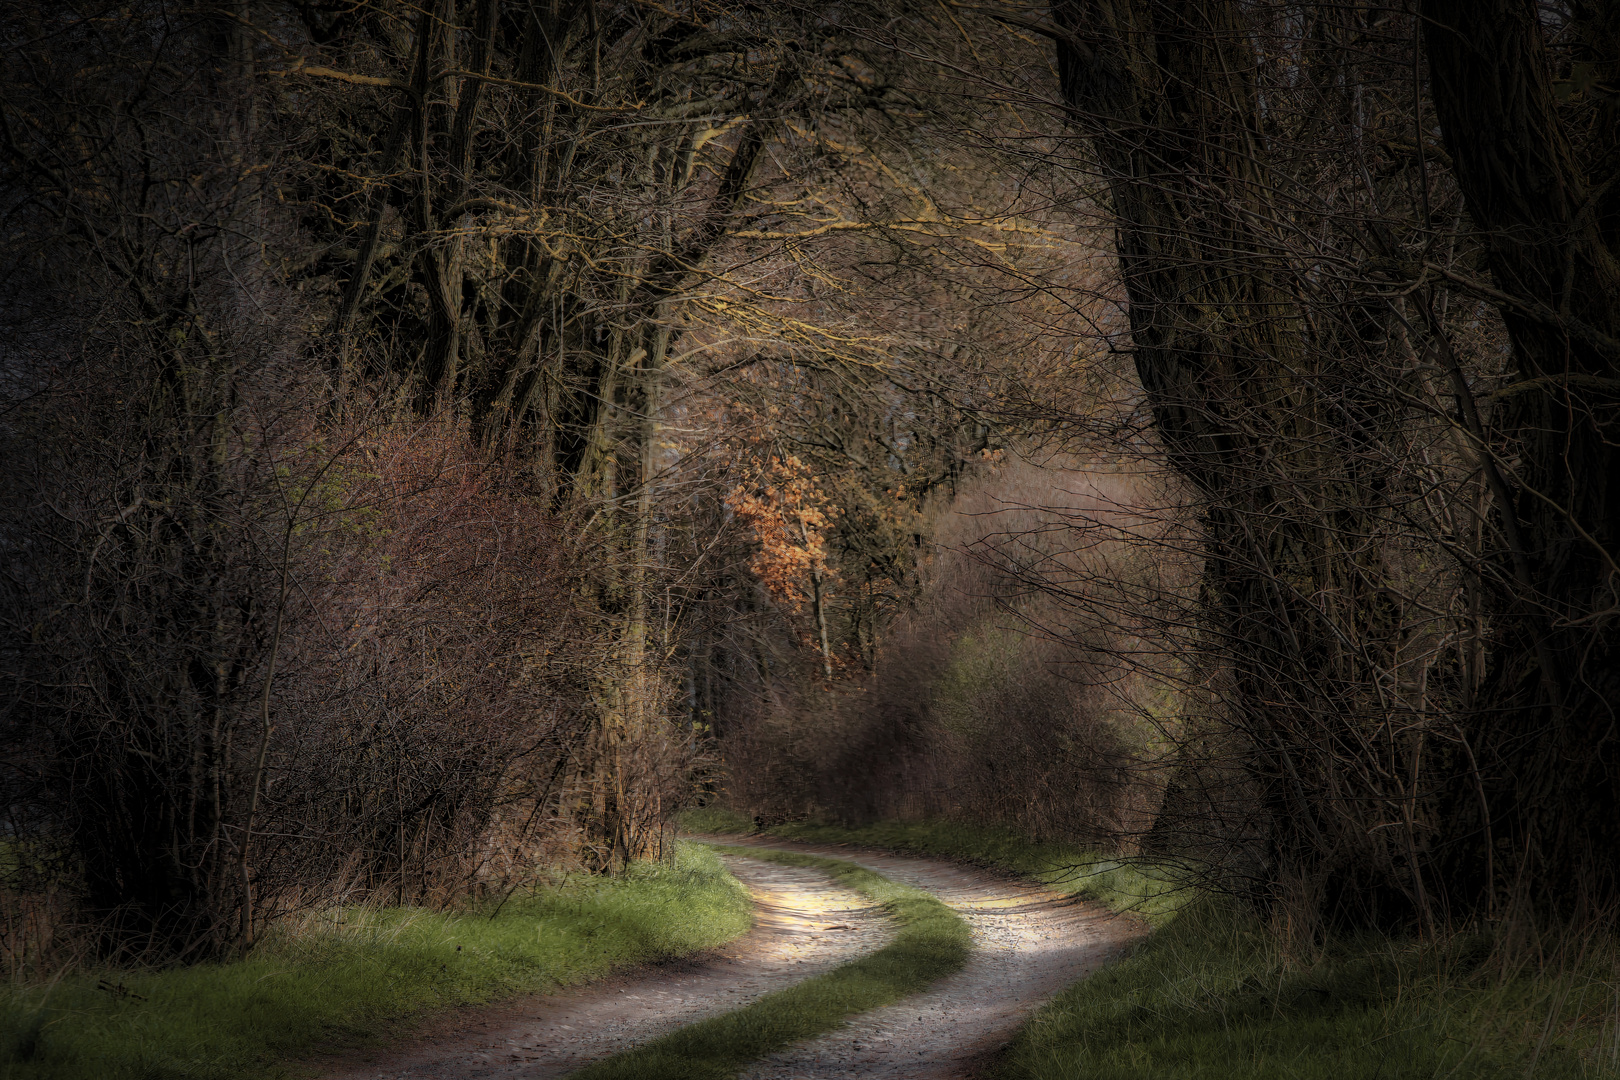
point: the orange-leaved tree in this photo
(788, 514)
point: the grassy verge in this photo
(1144, 890)
(348, 973)
(1211, 995)
(715, 818)
(932, 942)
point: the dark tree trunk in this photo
(1551, 211)
(1255, 400)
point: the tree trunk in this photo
(1247, 392)
(1545, 728)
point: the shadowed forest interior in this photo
(446, 440)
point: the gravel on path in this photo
(803, 925)
(1029, 943)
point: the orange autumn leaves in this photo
(788, 515)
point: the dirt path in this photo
(1029, 943)
(803, 925)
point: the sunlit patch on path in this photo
(804, 925)
(1029, 943)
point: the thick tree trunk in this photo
(1546, 728)
(1242, 386)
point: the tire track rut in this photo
(803, 925)
(1029, 943)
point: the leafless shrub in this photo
(984, 707)
(261, 643)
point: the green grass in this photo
(355, 975)
(1146, 890)
(931, 942)
(715, 819)
(1212, 996)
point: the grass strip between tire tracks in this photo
(932, 942)
(1213, 994)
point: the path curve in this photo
(803, 925)
(1029, 943)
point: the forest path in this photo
(1028, 943)
(803, 925)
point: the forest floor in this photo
(1029, 943)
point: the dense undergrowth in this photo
(1212, 994)
(355, 974)
(932, 941)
